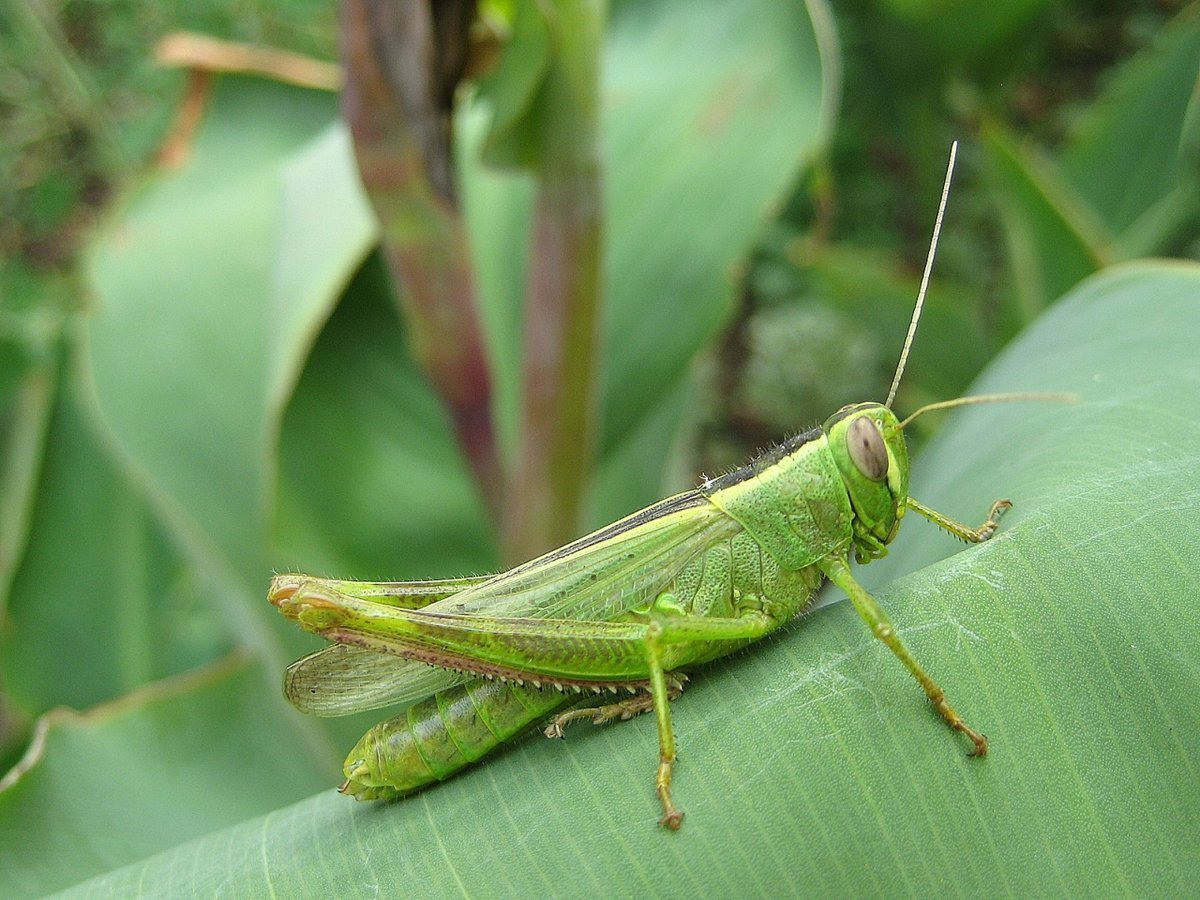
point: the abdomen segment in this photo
(442, 734)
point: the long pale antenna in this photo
(1022, 397)
(916, 316)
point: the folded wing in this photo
(605, 574)
(598, 578)
(341, 679)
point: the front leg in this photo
(838, 571)
(958, 529)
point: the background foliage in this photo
(205, 374)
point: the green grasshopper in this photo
(631, 607)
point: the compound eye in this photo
(867, 448)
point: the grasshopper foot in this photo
(979, 741)
(671, 818)
(988, 529)
(958, 529)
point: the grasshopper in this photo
(629, 608)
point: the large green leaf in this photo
(179, 344)
(212, 283)
(103, 600)
(1054, 238)
(325, 229)
(171, 761)
(812, 763)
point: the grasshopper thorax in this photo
(868, 447)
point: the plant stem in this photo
(558, 417)
(403, 60)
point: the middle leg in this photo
(641, 702)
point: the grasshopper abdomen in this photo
(437, 737)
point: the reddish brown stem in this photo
(403, 60)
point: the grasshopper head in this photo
(869, 449)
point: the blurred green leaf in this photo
(1054, 238)
(32, 309)
(14, 361)
(708, 121)
(24, 420)
(180, 343)
(965, 31)
(646, 462)
(101, 582)
(325, 231)
(1127, 180)
(510, 92)
(212, 284)
(172, 761)
(1067, 638)
(1133, 154)
(372, 483)
(498, 207)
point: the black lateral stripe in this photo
(761, 463)
(686, 500)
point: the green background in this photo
(204, 377)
